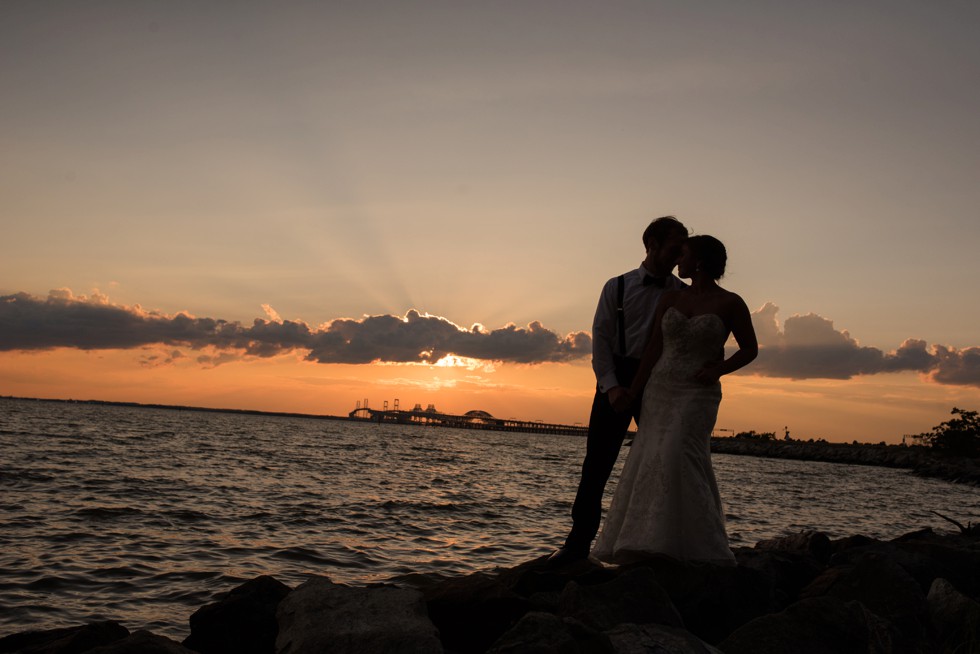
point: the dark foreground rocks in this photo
(802, 593)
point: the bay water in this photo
(143, 515)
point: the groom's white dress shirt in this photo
(639, 306)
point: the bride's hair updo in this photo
(710, 253)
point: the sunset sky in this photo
(295, 206)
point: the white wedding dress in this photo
(667, 500)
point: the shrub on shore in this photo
(959, 435)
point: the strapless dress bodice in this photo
(689, 343)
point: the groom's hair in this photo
(661, 229)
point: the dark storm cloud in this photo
(809, 347)
(63, 320)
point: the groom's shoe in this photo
(565, 556)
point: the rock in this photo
(789, 572)
(954, 558)
(587, 639)
(924, 533)
(820, 625)
(243, 621)
(142, 642)
(713, 599)
(634, 596)
(656, 639)
(955, 616)
(815, 543)
(925, 555)
(535, 577)
(884, 587)
(472, 612)
(852, 542)
(68, 640)
(321, 616)
(544, 601)
(535, 633)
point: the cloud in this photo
(418, 337)
(960, 367)
(809, 347)
(803, 347)
(90, 323)
(160, 359)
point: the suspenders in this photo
(620, 314)
(625, 366)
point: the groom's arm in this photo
(603, 337)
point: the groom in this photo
(620, 331)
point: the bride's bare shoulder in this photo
(733, 301)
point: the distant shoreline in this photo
(921, 460)
(178, 407)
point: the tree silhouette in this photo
(959, 435)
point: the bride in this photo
(667, 500)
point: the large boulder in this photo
(142, 642)
(814, 543)
(536, 576)
(321, 616)
(788, 571)
(634, 596)
(856, 541)
(955, 558)
(656, 639)
(472, 612)
(884, 587)
(820, 625)
(67, 640)
(241, 622)
(955, 616)
(544, 633)
(925, 555)
(713, 599)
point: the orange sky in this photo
(264, 184)
(882, 408)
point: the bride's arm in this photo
(651, 354)
(748, 346)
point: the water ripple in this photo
(144, 515)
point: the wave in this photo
(346, 558)
(195, 507)
(108, 512)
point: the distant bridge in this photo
(470, 420)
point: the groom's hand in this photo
(708, 375)
(620, 398)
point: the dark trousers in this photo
(607, 428)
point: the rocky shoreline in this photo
(803, 593)
(922, 461)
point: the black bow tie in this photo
(659, 282)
